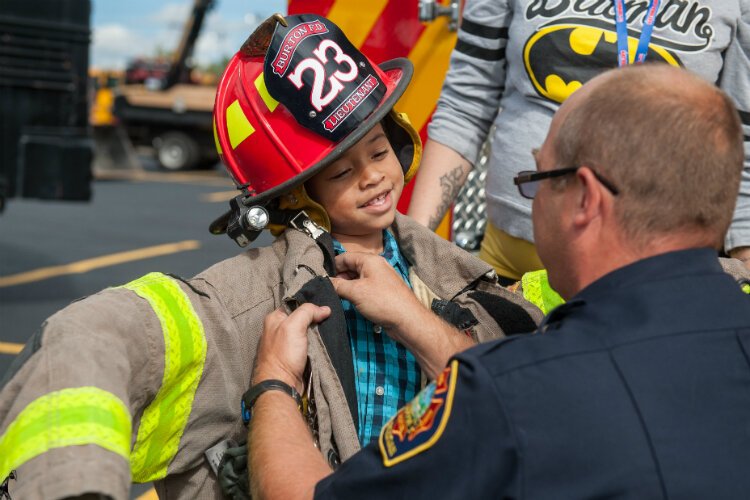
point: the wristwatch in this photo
(249, 398)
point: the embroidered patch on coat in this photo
(419, 424)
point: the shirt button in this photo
(377, 329)
(379, 391)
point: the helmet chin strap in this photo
(323, 238)
(247, 222)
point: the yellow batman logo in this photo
(562, 57)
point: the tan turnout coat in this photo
(114, 341)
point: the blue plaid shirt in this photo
(386, 375)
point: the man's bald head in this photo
(669, 141)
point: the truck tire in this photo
(177, 151)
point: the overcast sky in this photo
(125, 29)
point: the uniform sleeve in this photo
(735, 80)
(451, 441)
(66, 412)
(475, 81)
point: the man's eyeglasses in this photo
(528, 180)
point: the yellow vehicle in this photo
(103, 84)
(168, 111)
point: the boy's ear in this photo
(405, 142)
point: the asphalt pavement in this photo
(53, 253)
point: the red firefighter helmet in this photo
(292, 100)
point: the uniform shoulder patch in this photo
(420, 423)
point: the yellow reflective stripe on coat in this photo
(536, 289)
(163, 421)
(68, 417)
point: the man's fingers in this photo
(305, 315)
(347, 275)
(342, 287)
(320, 313)
(350, 262)
(274, 319)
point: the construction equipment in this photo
(171, 114)
(112, 147)
(45, 142)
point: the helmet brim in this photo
(400, 70)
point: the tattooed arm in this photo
(442, 174)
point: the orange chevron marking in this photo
(355, 20)
(431, 58)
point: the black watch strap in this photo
(249, 398)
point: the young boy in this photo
(145, 381)
(357, 155)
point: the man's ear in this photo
(589, 201)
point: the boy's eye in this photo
(340, 174)
(380, 154)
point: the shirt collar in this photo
(659, 267)
(391, 252)
(637, 285)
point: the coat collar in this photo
(302, 260)
(425, 252)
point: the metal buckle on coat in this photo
(309, 410)
(303, 222)
(4, 494)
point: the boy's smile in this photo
(380, 203)
(360, 191)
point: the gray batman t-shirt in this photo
(526, 56)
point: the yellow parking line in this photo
(149, 495)
(219, 196)
(10, 348)
(209, 178)
(83, 266)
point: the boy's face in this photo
(360, 190)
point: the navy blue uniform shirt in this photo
(638, 388)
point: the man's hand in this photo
(282, 352)
(281, 439)
(375, 289)
(741, 253)
(380, 295)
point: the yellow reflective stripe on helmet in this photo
(68, 417)
(238, 126)
(260, 84)
(164, 420)
(536, 289)
(216, 139)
